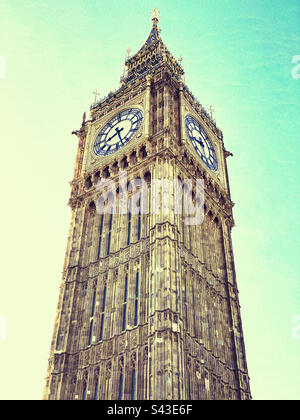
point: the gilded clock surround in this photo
(187, 340)
(211, 161)
(118, 131)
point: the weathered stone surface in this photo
(182, 335)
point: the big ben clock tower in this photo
(149, 305)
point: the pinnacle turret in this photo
(151, 56)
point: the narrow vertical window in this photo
(133, 385)
(100, 237)
(102, 313)
(188, 386)
(120, 386)
(136, 299)
(93, 305)
(129, 222)
(125, 304)
(91, 332)
(186, 304)
(84, 391)
(109, 233)
(92, 319)
(96, 390)
(139, 220)
(193, 306)
(214, 388)
(190, 237)
(150, 381)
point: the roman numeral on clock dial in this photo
(201, 142)
(118, 131)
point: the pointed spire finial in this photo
(180, 60)
(128, 51)
(155, 17)
(96, 93)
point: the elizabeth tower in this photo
(148, 306)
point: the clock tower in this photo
(149, 306)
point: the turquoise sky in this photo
(238, 58)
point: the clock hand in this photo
(117, 132)
(199, 141)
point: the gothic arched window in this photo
(109, 233)
(136, 310)
(120, 386)
(100, 237)
(125, 303)
(129, 221)
(133, 385)
(102, 314)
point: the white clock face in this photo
(201, 143)
(118, 131)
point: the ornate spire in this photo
(154, 35)
(152, 55)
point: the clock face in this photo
(201, 143)
(118, 131)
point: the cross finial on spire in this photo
(155, 17)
